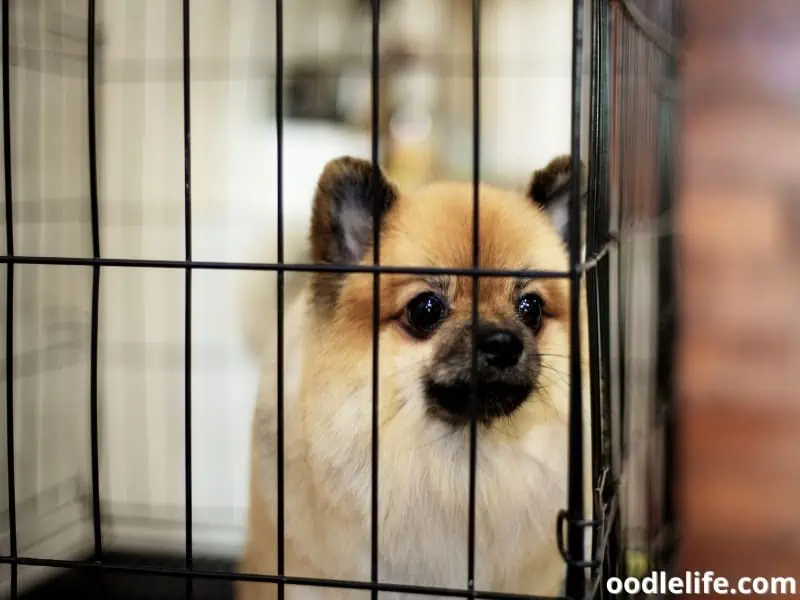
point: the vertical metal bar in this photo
(603, 270)
(646, 211)
(95, 316)
(576, 583)
(473, 425)
(611, 271)
(625, 64)
(594, 241)
(12, 495)
(187, 153)
(667, 315)
(279, 300)
(376, 205)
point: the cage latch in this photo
(563, 517)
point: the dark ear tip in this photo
(341, 165)
(547, 182)
(566, 160)
(349, 170)
(344, 161)
(562, 165)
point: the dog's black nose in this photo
(499, 347)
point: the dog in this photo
(424, 382)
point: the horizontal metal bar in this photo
(255, 266)
(229, 576)
(71, 261)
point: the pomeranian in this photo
(424, 384)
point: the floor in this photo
(91, 584)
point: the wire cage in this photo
(646, 39)
(623, 75)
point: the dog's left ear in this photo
(550, 188)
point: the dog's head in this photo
(425, 321)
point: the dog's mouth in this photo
(495, 399)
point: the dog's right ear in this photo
(550, 188)
(342, 221)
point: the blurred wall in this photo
(738, 385)
(49, 173)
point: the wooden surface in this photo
(739, 226)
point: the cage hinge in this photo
(562, 518)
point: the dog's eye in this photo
(424, 313)
(530, 308)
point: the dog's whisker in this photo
(563, 377)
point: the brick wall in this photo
(739, 225)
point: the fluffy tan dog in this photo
(424, 385)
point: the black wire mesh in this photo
(12, 516)
(279, 362)
(645, 45)
(596, 270)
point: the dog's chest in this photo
(424, 528)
